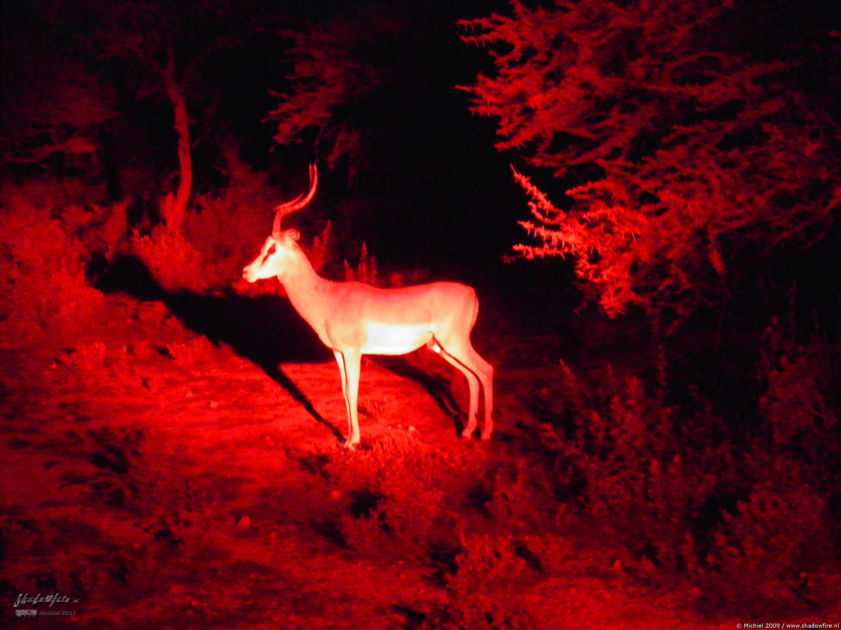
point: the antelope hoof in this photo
(351, 444)
(486, 435)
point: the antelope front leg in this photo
(349, 367)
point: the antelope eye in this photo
(271, 250)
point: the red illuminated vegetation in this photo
(687, 155)
(666, 446)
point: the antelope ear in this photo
(293, 234)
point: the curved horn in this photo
(295, 204)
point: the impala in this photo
(353, 318)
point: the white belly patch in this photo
(394, 339)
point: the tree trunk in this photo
(175, 209)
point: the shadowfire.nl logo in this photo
(50, 599)
(40, 605)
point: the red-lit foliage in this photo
(154, 54)
(368, 271)
(401, 506)
(685, 159)
(53, 108)
(166, 481)
(220, 230)
(172, 260)
(643, 468)
(45, 292)
(333, 69)
(801, 400)
(358, 77)
(619, 505)
(746, 519)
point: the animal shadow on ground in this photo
(264, 329)
(436, 386)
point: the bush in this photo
(398, 495)
(485, 589)
(44, 286)
(630, 463)
(222, 231)
(171, 259)
(754, 526)
(99, 229)
(802, 396)
(227, 228)
(776, 538)
(88, 357)
(695, 159)
(779, 542)
(368, 272)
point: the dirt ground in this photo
(156, 480)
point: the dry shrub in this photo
(192, 351)
(368, 272)
(98, 229)
(485, 591)
(87, 357)
(414, 507)
(366, 269)
(44, 286)
(101, 230)
(633, 469)
(227, 228)
(557, 555)
(400, 497)
(50, 191)
(778, 536)
(171, 259)
(319, 251)
(780, 542)
(803, 394)
(518, 496)
(222, 231)
(755, 526)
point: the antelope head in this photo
(281, 248)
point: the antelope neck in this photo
(302, 284)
